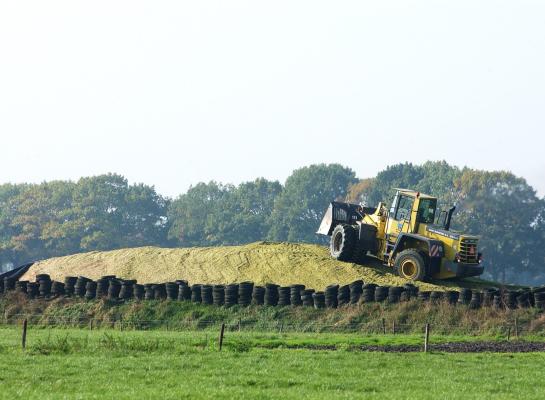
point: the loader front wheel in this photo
(343, 242)
(410, 265)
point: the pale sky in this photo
(171, 93)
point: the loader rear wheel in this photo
(343, 241)
(410, 265)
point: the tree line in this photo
(56, 218)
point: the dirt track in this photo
(454, 347)
(464, 347)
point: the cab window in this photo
(404, 208)
(426, 211)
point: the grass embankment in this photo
(408, 317)
(173, 365)
(261, 262)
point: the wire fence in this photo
(381, 326)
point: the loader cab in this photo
(408, 211)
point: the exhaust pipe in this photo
(449, 217)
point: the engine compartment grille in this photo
(468, 251)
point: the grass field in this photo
(106, 364)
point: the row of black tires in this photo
(246, 293)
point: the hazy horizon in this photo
(174, 93)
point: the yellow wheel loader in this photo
(408, 237)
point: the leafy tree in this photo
(359, 191)
(248, 209)
(433, 177)
(404, 175)
(194, 215)
(214, 214)
(307, 193)
(504, 210)
(97, 213)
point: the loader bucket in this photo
(339, 213)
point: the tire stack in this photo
(356, 289)
(218, 295)
(57, 288)
(436, 296)
(475, 301)
(172, 290)
(343, 296)
(90, 290)
(452, 296)
(102, 287)
(488, 297)
(206, 294)
(284, 296)
(424, 295)
(295, 295)
(32, 289)
(465, 296)
(331, 292)
(319, 300)
(306, 297)
(245, 290)
(184, 292)
(523, 299)
(531, 297)
(394, 293)
(69, 283)
(381, 293)
(113, 289)
(258, 295)
(45, 285)
(9, 283)
(510, 299)
(231, 295)
(405, 296)
(160, 291)
(149, 292)
(20, 286)
(497, 301)
(539, 299)
(271, 294)
(126, 291)
(79, 287)
(368, 293)
(410, 292)
(138, 292)
(196, 293)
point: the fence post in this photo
(426, 338)
(516, 328)
(508, 333)
(383, 326)
(25, 324)
(222, 330)
(239, 325)
(394, 327)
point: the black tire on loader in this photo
(343, 242)
(359, 254)
(409, 264)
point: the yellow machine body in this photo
(410, 223)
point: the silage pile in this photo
(261, 262)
